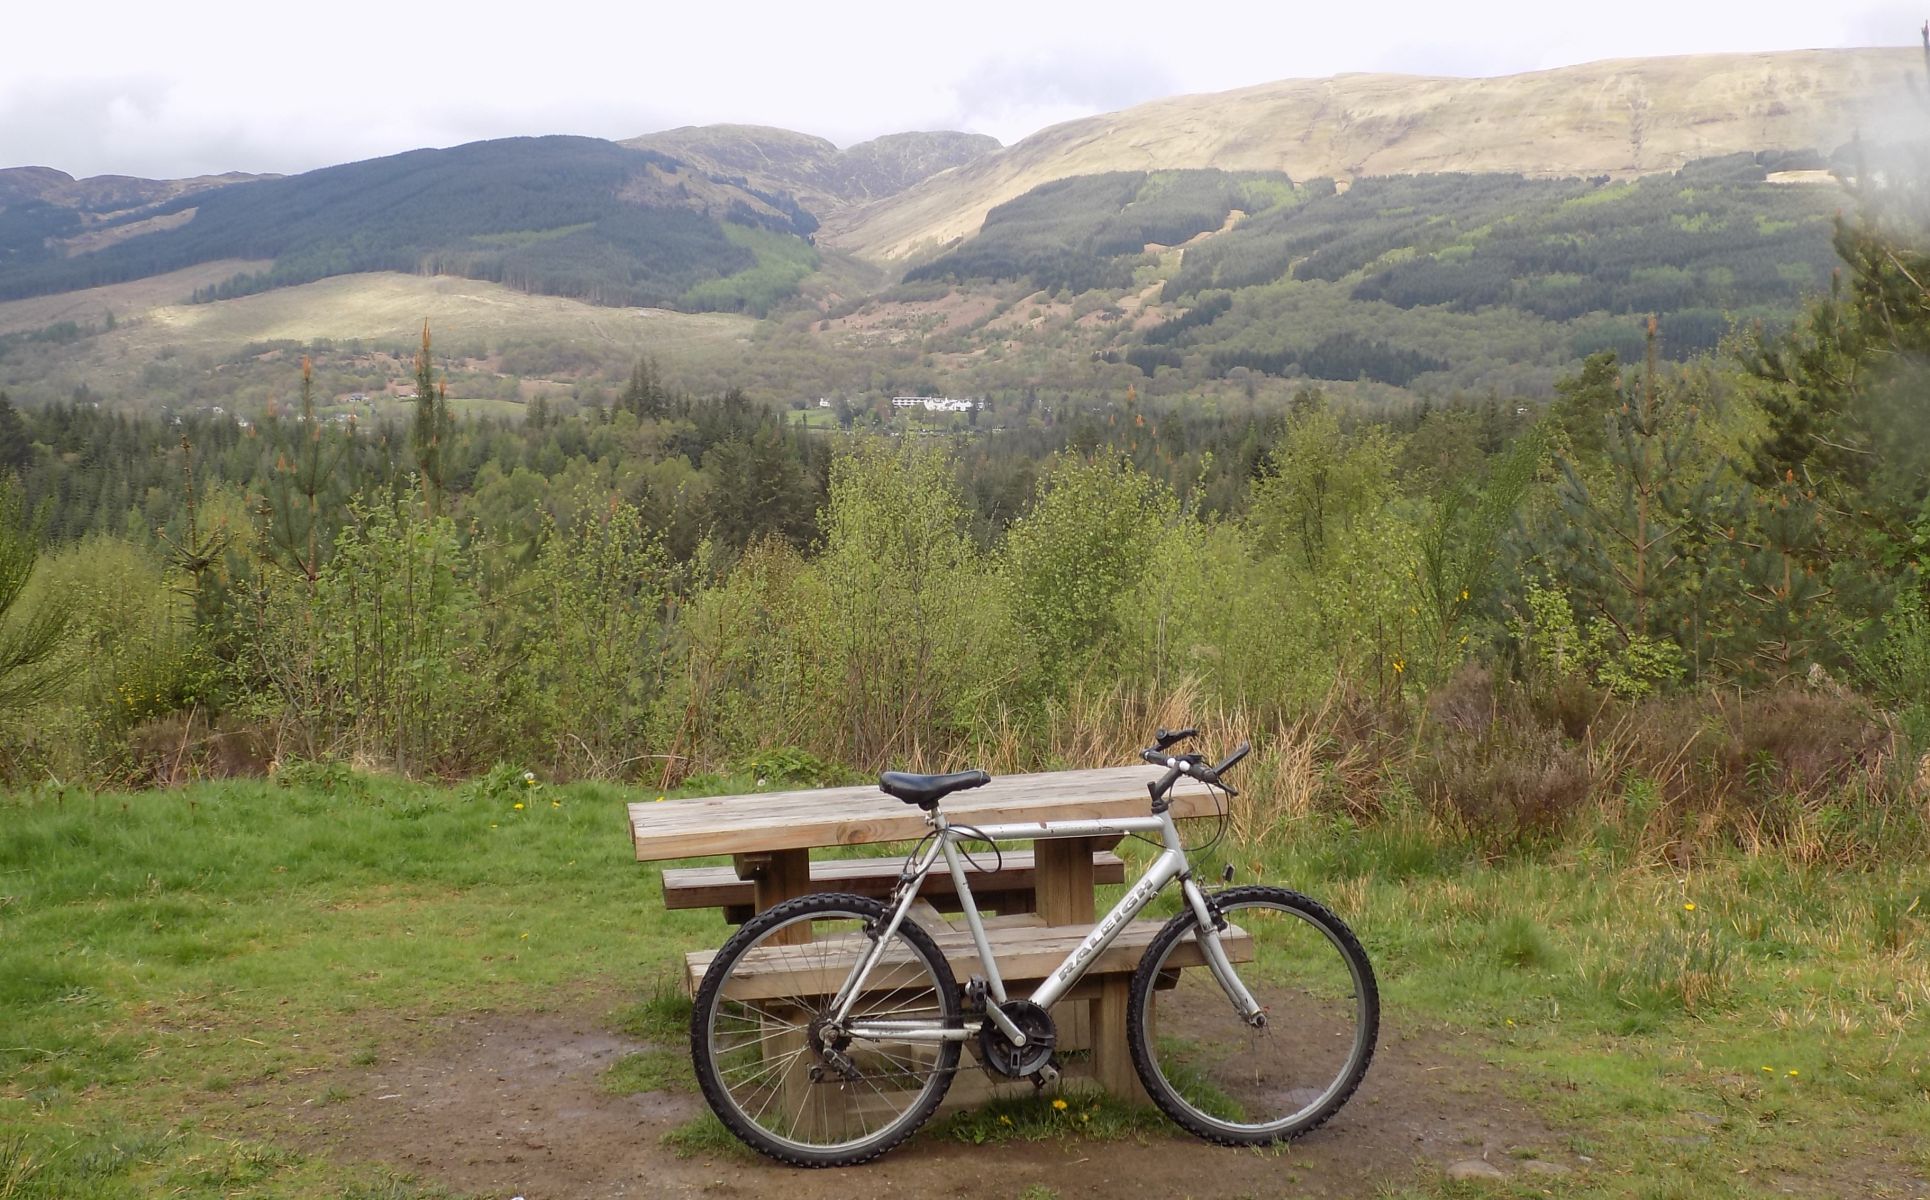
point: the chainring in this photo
(996, 1050)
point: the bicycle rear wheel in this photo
(1226, 1080)
(767, 1067)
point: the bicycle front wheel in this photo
(784, 1081)
(1233, 1082)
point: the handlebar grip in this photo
(1232, 760)
(1165, 738)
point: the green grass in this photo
(654, 1070)
(1080, 1113)
(783, 262)
(160, 953)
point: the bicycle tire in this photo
(915, 949)
(1234, 1074)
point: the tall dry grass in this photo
(1812, 773)
(1328, 759)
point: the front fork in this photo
(1209, 922)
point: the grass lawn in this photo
(169, 960)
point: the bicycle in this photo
(829, 1027)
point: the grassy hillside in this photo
(1620, 117)
(210, 351)
(560, 215)
(90, 307)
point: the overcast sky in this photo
(169, 90)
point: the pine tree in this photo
(301, 483)
(196, 555)
(645, 395)
(430, 434)
(1632, 535)
(1782, 546)
(28, 636)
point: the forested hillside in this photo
(567, 216)
(1618, 117)
(1369, 282)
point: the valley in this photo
(1384, 237)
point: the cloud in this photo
(244, 86)
(149, 126)
(1010, 97)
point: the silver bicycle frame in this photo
(1169, 865)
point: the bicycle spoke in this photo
(777, 1085)
(1218, 1075)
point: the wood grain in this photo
(851, 816)
(1025, 954)
(720, 887)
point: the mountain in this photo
(1617, 118)
(103, 195)
(568, 216)
(824, 178)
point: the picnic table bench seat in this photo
(1004, 883)
(1026, 948)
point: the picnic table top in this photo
(761, 822)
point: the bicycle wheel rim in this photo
(760, 1042)
(1267, 1084)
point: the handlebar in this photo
(1166, 739)
(1191, 765)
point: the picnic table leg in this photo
(1065, 898)
(777, 876)
(1112, 1061)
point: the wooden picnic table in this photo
(770, 836)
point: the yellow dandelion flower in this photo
(519, 806)
(659, 799)
(1689, 906)
(1059, 1104)
(1771, 1070)
(1793, 1074)
(1004, 1120)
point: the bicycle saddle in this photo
(926, 790)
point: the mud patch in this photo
(512, 1105)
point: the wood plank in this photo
(934, 922)
(1026, 954)
(776, 877)
(720, 887)
(1065, 880)
(852, 816)
(1065, 897)
(1112, 1059)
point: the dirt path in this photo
(511, 1105)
